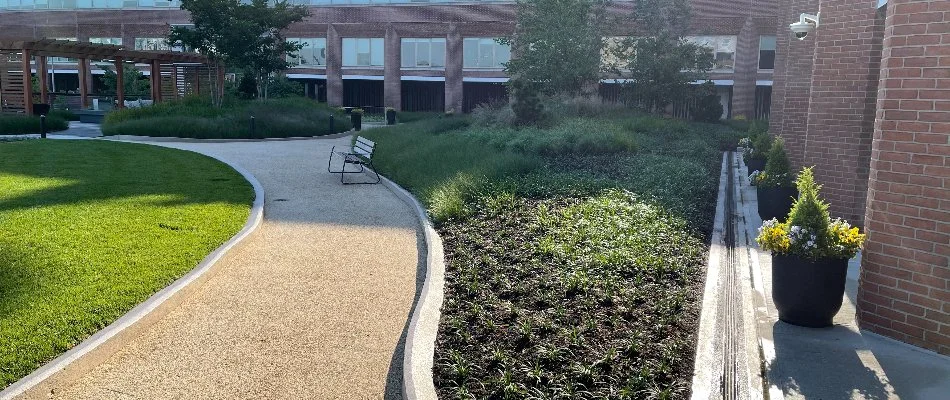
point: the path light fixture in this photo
(805, 25)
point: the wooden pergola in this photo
(172, 74)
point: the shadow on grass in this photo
(98, 171)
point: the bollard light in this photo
(43, 126)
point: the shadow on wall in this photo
(830, 363)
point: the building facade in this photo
(865, 99)
(410, 55)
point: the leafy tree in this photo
(246, 36)
(662, 64)
(133, 82)
(558, 44)
(707, 108)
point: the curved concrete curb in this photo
(419, 353)
(163, 139)
(142, 310)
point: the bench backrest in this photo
(364, 147)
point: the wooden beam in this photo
(156, 76)
(83, 83)
(119, 83)
(27, 84)
(43, 75)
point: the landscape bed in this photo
(575, 254)
(11, 124)
(92, 228)
(195, 117)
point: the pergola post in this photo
(156, 81)
(175, 80)
(197, 89)
(27, 84)
(83, 83)
(119, 83)
(220, 80)
(43, 75)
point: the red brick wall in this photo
(793, 78)
(845, 73)
(904, 291)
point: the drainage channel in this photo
(727, 353)
(730, 303)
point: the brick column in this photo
(845, 73)
(904, 289)
(795, 81)
(453, 69)
(392, 86)
(334, 67)
(747, 64)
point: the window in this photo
(723, 49)
(151, 44)
(313, 52)
(423, 53)
(766, 52)
(362, 52)
(101, 40)
(485, 53)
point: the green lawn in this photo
(92, 228)
(574, 253)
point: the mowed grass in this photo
(92, 228)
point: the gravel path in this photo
(314, 304)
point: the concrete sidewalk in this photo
(313, 305)
(842, 362)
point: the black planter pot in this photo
(390, 117)
(755, 164)
(775, 202)
(808, 293)
(357, 120)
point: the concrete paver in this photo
(314, 304)
(842, 362)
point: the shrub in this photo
(761, 144)
(777, 169)
(22, 124)
(527, 103)
(412, 116)
(810, 232)
(195, 117)
(64, 114)
(247, 87)
(281, 87)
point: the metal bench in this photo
(360, 153)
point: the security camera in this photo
(805, 25)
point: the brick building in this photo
(408, 55)
(865, 98)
